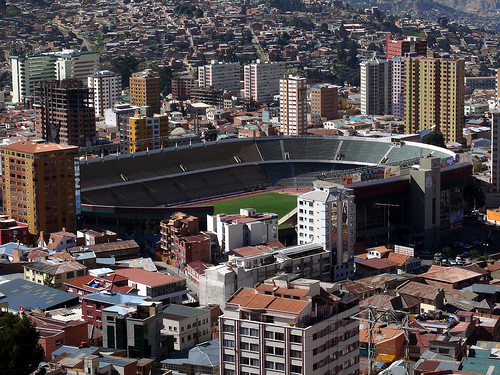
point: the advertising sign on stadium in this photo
(351, 178)
(392, 171)
(373, 174)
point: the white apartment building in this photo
(262, 80)
(495, 151)
(224, 76)
(218, 283)
(290, 327)
(117, 115)
(243, 229)
(293, 105)
(376, 87)
(27, 71)
(188, 325)
(327, 215)
(106, 90)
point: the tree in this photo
(372, 47)
(125, 66)
(3, 6)
(435, 138)
(165, 74)
(48, 280)
(20, 352)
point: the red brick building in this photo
(182, 241)
(398, 47)
(12, 231)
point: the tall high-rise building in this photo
(376, 87)
(145, 90)
(327, 215)
(219, 75)
(398, 87)
(39, 185)
(286, 326)
(106, 89)
(400, 47)
(63, 113)
(434, 96)
(262, 80)
(28, 71)
(146, 133)
(293, 105)
(495, 151)
(325, 101)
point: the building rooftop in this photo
(115, 298)
(181, 311)
(419, 290)
(35, 147)
(204, 355)
(450, 275)
(21, 293)
(147, 277)
(376, 263)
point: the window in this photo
(295, 354)
(296, 369)
(269, 364)
(228, 372)
(254, 332)
(227, 328)
(279, 336)
(279, 351)
(295, 338)
(254, 362)
(254, 347)
(279, 366)
(228, 358)
(269, 335)
(245, 331)
(269, 349)
(228, 343)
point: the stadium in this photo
(150, 185)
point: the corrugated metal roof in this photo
(185, 311)
(205, 354)
(420, 290)
(22, 293)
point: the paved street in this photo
(171, 270)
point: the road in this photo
(66, 30)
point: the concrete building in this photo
(157, 286)
(295, 327)
(204, 358)
(58, 273)
(40, 186)
(324, 101)
(181, 86)
(293, 105)
(64, 113)
(146, 133)
(327, 215)
(243, 229)
(13, 231)
(135, 329)
(106, 89)
(189, 326)
(145, 91)
(118, 113)
(28, 71)
(495, 152)
(218, 283)
(219, 75)
(435, 96)
(262, 80)
(376, 87)
(398, 87)
(400, 47)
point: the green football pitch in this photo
(280, 204)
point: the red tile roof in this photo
(377, 263)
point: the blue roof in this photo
(116, 298)
(118, 309)
(22, 293)
(10, 246)
(205, 354)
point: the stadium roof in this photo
(21, 293)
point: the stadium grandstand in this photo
(148, 185)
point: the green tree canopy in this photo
(435, 138)
(125, 66)
(20, 352)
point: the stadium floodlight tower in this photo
(390, 318)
